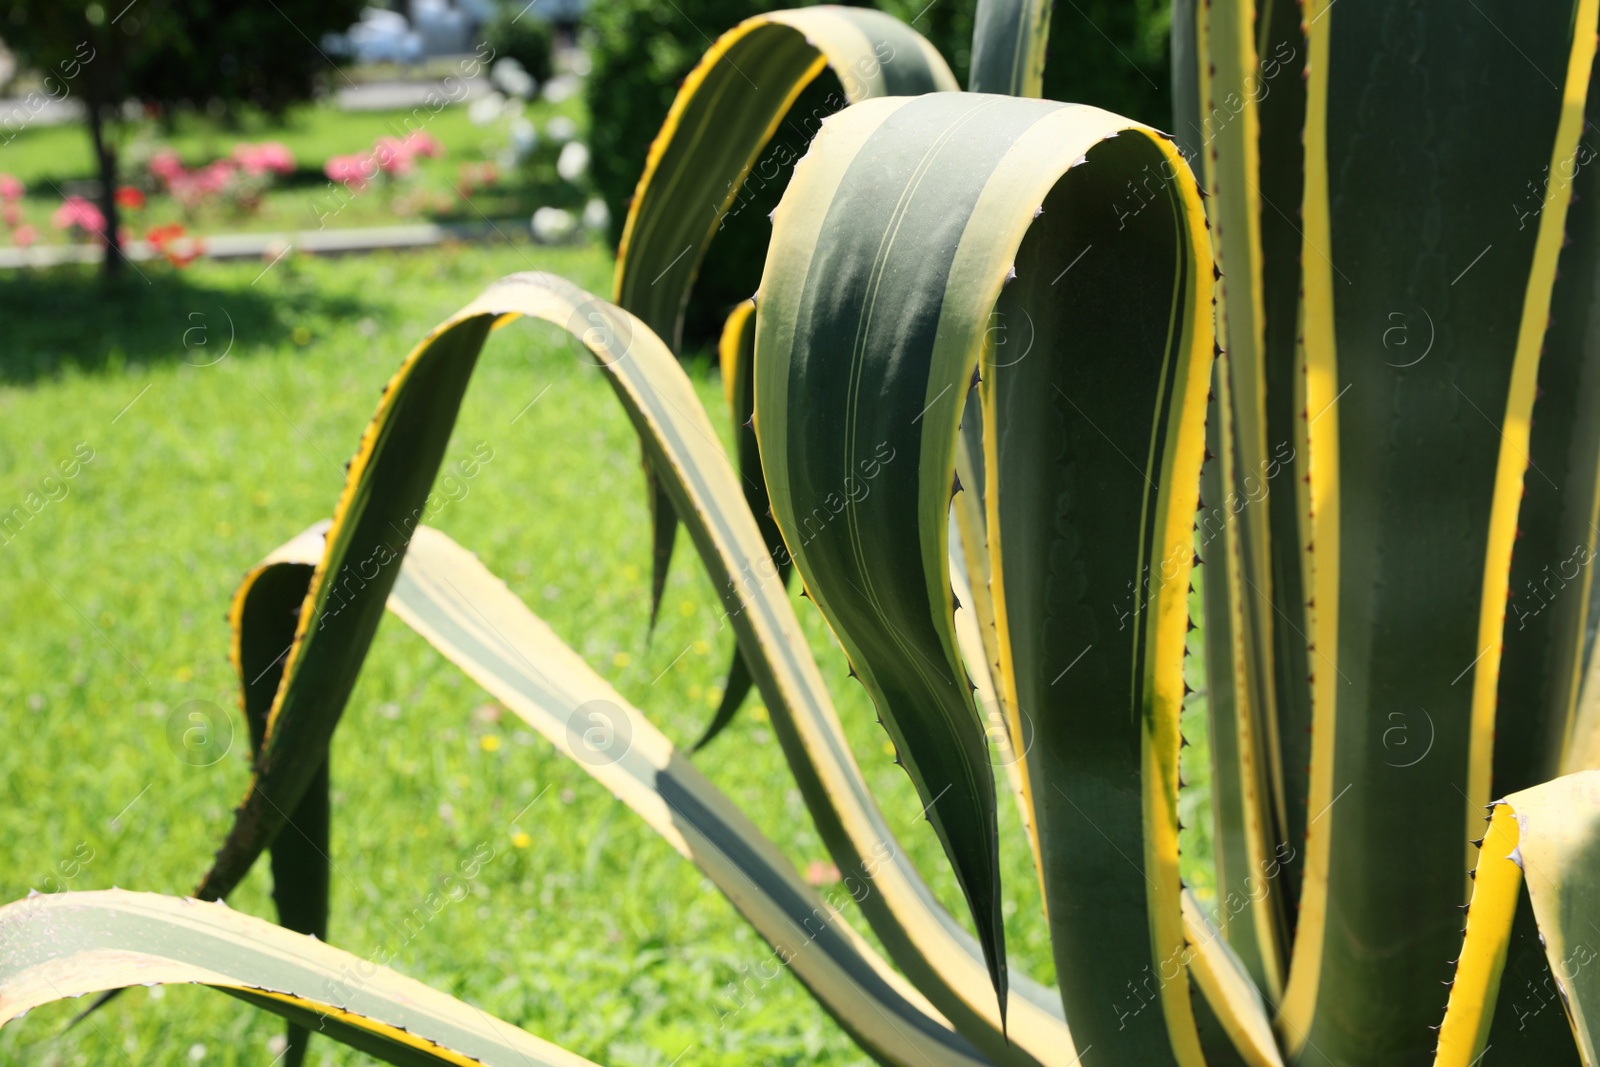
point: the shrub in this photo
(527, 39)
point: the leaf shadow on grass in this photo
(69, 318)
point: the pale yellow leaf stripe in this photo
(64, 945)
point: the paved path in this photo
(398, 95)
(17, 113)
(273, 246)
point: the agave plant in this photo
(1013, 369)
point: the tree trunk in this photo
(106, 157)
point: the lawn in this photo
(55, 160)
(196, 457)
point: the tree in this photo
(162, 54)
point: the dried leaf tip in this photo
(1011, 274)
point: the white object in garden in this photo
(552, 225)
(510, 78)
(524, 138)
(486, 109)
(573, 161)
(596, 216)
(561, 87)
(560, 129)
(442, 28)
(380, 36)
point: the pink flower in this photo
(392, 155)
(12, 214)
(257, 159)
(166, 165)
(10, 188)
(23, 236)
(422, 143)
(214, 177)
(75, 211)
(353, 171)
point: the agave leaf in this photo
(1266, 736)
(262, 619)
(384, 495)
(737, 350)
(1542, 848)
(926, 942)
(1091, 556)
(1275, 89)
(663, 535)
(1229, 991)
(1549, 628)
(1008, 47)
(894, 306)
(721, 120)
(64, 945)
(735, 687)
(1420, 521)
(1250, 854)
(448, 597)
(975, 635)
(718, 125)
(1504, 1008)
(941, 960)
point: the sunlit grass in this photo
(584, 927)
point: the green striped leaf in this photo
(737, 351)
(1274, 88)
(1008, 47)
(1254, 508)
(1540, 854)
(387, 487)
(730, 106)
(448, 597)
(1525, 1020)
(728, 109)
(64, 945)
(1413, 528)
(1251, 858)
(867, 343)
(1231, 995)
(262, 620)
(1247, 796)
(663, 535)
(976, 626)
(1549, 631)
(941, 960)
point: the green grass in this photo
(49, 159)
(596, 935)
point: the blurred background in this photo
(165, 121)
